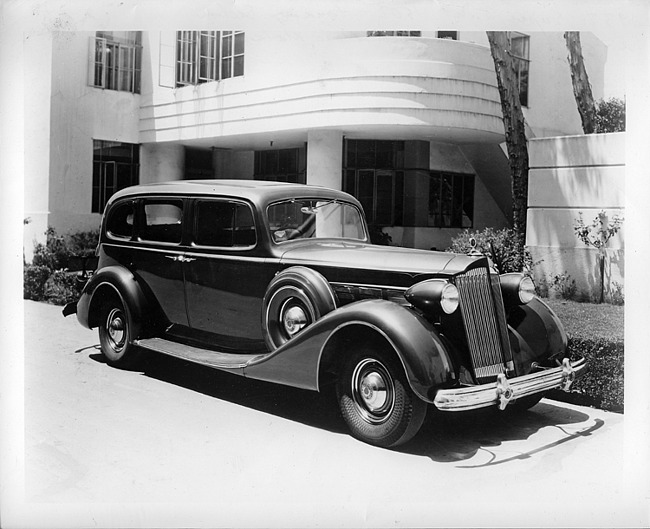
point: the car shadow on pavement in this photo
(307, 407)
(444, 437)
(456, 437)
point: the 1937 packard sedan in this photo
(279, 282)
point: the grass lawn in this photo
(589, 320)
(595, 332)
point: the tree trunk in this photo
(580, 79)
(513, 122)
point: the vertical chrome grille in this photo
(481, 305)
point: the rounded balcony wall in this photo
(401, 87)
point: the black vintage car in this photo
(279, 282)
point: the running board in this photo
(206, 357)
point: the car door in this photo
(225, 275)
(157, 258)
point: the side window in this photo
(120, 221)
(224, 224)
(162, 221)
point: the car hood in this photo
(347, 254)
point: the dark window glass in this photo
(451, 35)
(224, 224)
(162, 221)
(115, 166)
(121, 220)
(280, 165)
(370, 175)
(451, 200)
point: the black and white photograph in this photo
(324, 264)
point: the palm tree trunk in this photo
(513, 122)
(580, 79)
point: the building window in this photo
(116, 60)
(203, 56)
(520, 50)
(373, 173)
(449, 35)
(115, 166)
(393, 33)
(451, 200)
(281, 165)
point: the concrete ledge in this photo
(580, 151)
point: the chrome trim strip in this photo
(188, 251)
(481, 396)
(368, 285)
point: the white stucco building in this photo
(410, 124)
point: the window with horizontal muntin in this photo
(204, 56)
(374, 174)
(224, 224)
(121, 220)
(279, 165)
(520, 50)
(162, 220)
(116, 60)
(394, 33)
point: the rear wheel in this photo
(376, 400)
(117, 332)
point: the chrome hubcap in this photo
(294, 320)
(373, 391)
(116, 328)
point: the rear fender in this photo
(112, 279)
(416, 343)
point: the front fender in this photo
(420, 349)
(537, 335)
(115, 278)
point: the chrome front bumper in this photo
(504, 390)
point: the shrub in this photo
(505, 247)
(602, 385)
(58, 250)
(82, 243)
(54, 253)
(34, 279)
(610, 115)
(564, 286)
(62, 287)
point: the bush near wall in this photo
(47, 278)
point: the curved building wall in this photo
(397, 87)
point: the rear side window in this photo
(162, 221)
(224, 224)
(121, 220)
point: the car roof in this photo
(257, 191)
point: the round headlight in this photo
(449, 298)
(526, 290)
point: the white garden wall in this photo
(568, 176)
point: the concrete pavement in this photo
(174, 444)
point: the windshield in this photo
(310, 218)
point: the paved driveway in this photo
(175, 444)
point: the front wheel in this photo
(116, 333)
(376, 400)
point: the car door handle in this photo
(180, 258)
